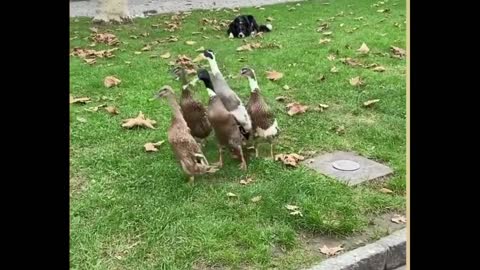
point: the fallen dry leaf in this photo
(286, 87)
(352, 62)
(201, 49)
(90, 61)
(249, 47)
(81, 119)
(137, 53)
(321, 77)
(363, 49)
(90, 53)
(379, 69)
(340, 130)
(165, 55)
(331, 57)
(269, 19)
(334, 69)
(296, 108)
(256, 199)
(399, 219)
(139, 121)
(79, 100)
(280, 98)
(190, 42)
(329, 33)
(324, 41)
(385, 190)
(230, 194)
(146, 48)
(185, 62)
(321, 107)
(93, 29)
(274, 75)
(296, 213)
(370, 102)
(330, 251)
(111, 81)
(246, 181)
(95, 109)
(152, 147)
(107, 38)
(383, 10)
(356, 81)
(398, 52)
(289, 159)
(291, 207)
(112, 110)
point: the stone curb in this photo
(387, 253)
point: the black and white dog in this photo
(246, 25)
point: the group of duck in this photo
(235, 125)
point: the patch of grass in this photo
(134, 210)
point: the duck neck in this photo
(253, 84)
(214, 66)
(177, 112)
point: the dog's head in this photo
(241, 25)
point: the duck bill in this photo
(199, 58)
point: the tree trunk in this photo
(112, 11)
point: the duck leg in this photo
(243, 165)
(271, 150)
(191, 179)
(219, 164)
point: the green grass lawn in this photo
(133, 210)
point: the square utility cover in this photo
(347, 167)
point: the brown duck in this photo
(227, 128)
(264, 124)
(193, 111)
(186, 149)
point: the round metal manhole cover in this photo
(346, 165)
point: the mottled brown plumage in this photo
(227, 128)
(264, 124)
(186, 149)
(193, 110)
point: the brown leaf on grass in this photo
(201, 49)
(351, 62)
(140, 121)
(370, 103)
(146, 48)
(330, 251)
(152, 147)
(356, 81)
(340, 130)
(185, 62)
(379, 69)
(296, 108)
(321, 107)
(93, 29)
(165, 55)
(230, 194)
(137, 53)
(79, 100)
(334, 69)
(249, 46)
(190, 42)
(111, 81)
(323, 26)
(81, 120)
(398, 52)
(363, 49)
(296, 213)
(399, 219)
(274, 75)
(90, 53)
(246, 181)
(383, 10)
(107, 38)
(291, 207)
(256, 199)
(112, 110)
(280, 98)
(286, 87)
(269, 19)
(321, 77)
(95, 109)
(90, 61)
(331, 57)
(329, 33)
(324, 41)
(289, 159)
(385, 190)
(172, 39)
